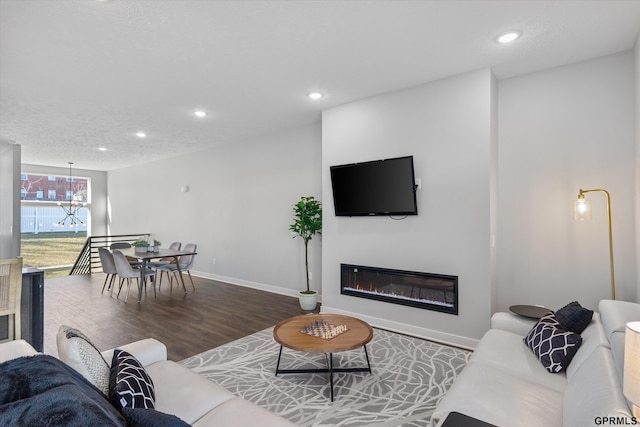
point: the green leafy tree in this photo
(307, 214)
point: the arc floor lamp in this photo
(582, 211)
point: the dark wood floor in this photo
(215, 314)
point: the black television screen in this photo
(381, 187)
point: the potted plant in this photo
(143, 245)
(307, 214)
(140, 245)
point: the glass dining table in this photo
(145, 257)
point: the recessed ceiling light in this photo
(102, 148)
(200, 113)
(508, 37)
(141, 134)
(315, 95)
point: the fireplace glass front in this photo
(423, 290)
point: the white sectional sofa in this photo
(193, 398)
(178, 390)
(506, 385)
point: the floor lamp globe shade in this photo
(631, 378)
(582, 209)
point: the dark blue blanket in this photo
(43, 391)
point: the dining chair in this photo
(108, 267)
(185, 262)
(175, 246)
(125, 245)
(126, 271)
(120, 245)
(10, 295)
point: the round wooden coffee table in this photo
(289, 333)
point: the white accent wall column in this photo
(447, 126)
(10, 155)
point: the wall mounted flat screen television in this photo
(380, 187)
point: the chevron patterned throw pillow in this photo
(553, 346)
(129, 384)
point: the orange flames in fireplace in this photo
(423, 290)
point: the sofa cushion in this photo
(554, 347)
(497, 397)
(592, 338)
(241, 413)
(130, 386)
(595, 392)
(13, 349)
(574, 317)
(147, 351)
(143, 417)
(615, 315)
(182, 392)
(512, 323)
(76, 350)
(506, 351)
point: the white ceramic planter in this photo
(308, 301)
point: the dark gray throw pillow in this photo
(553, 346)
(574, 317)
(129, 384)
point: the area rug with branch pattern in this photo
(409, 377)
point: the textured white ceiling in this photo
(80, 74)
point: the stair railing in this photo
(88, 260)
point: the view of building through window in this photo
(45, 243)
(57, 188)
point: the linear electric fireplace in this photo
(423, 290)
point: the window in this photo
(23, 177)
(44, 243)
(56, 187)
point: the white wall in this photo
(238, 207)
(561, 130)
(446, 126)
(98, 219)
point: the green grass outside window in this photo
(52, 249)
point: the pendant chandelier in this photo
(71, 209)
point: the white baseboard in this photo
(403, 328)
(249, 284)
